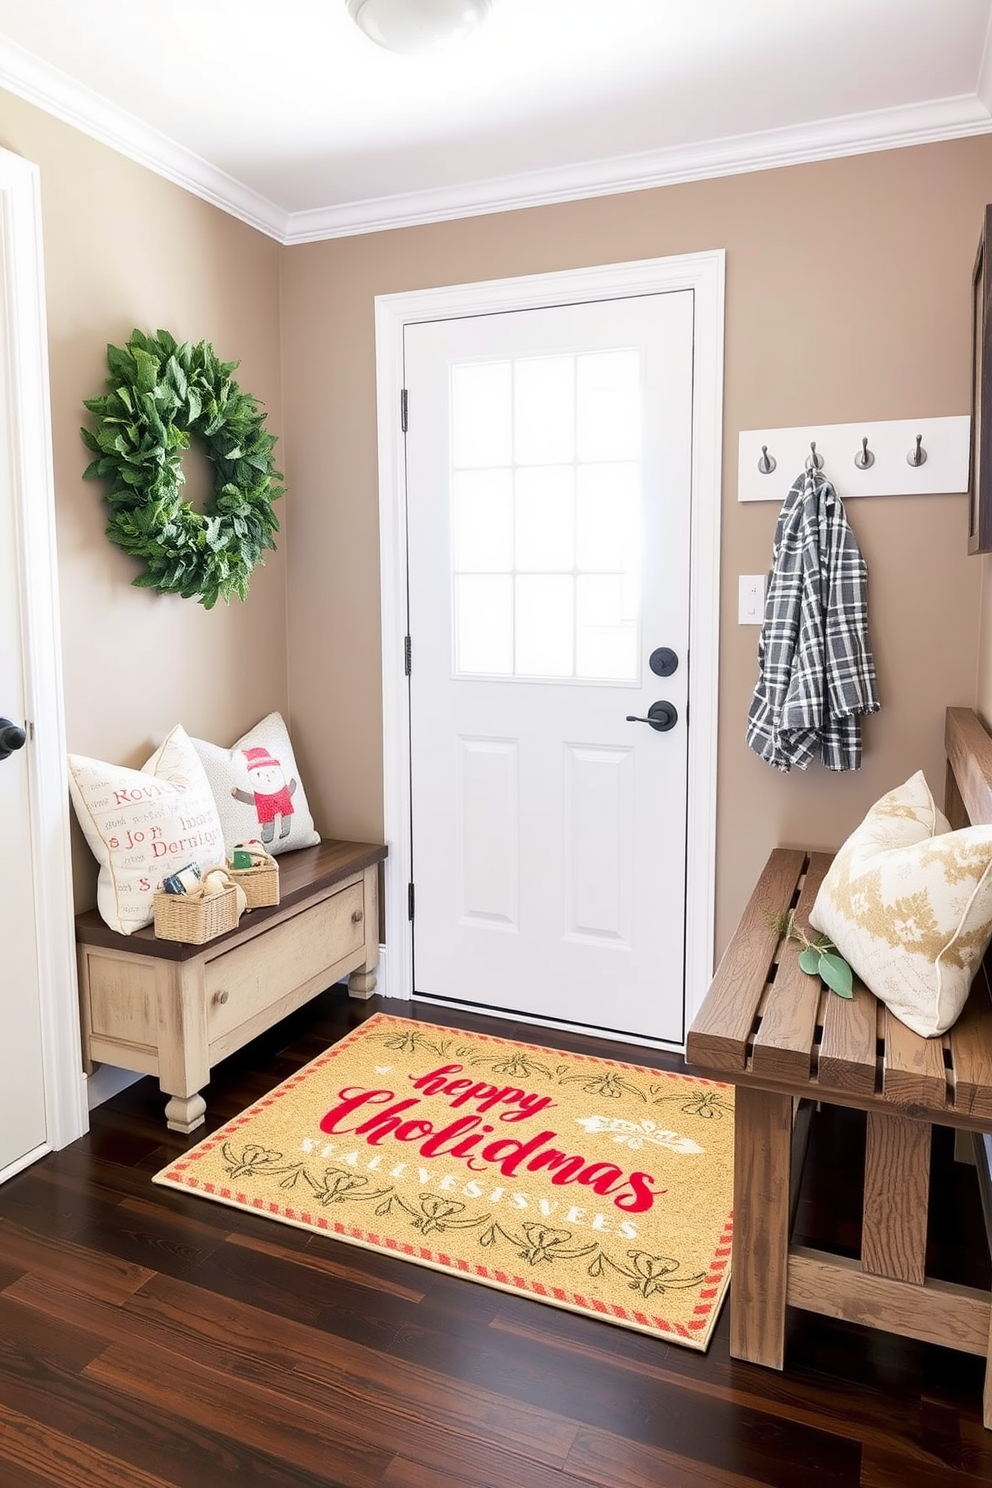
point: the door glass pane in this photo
(484, 624)
(482, 521)
(544, 410)
(608, 518)
(608, 398)
(545, 518)
(481, 414)
(606, 627)
(545, 620)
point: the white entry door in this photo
(549, 468)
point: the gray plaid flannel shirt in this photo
(816, 675)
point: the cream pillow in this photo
(258, 789)
(908, 904)
(142, 825)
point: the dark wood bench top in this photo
(302, 873)
(767, 1023)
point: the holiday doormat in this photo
(601, 1187)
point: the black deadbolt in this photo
(663, 662)
(11, 737)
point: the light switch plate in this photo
(750, 599)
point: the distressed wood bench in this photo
(165, 1008)
(786, 1043)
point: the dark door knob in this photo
(11, 737)
(663, 661)
(661, 716)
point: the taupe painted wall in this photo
(848, 298)
(125, 248)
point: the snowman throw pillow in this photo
(258, 790)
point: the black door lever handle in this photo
(661, 716)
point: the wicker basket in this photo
(261, 884)
(195, 920)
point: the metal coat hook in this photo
(864, 460)
(917, 456)
(767, 462)
(814, 461)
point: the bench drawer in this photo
(251, 977)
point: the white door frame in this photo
(25, 339)
(704, 274)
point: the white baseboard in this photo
(381, 982)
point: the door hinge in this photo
(404, 410)
(409, 901)
(407, 655)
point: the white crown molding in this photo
(54, 91)
(50, 89)
(984, 88)
(856, 134)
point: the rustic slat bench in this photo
(786, 1043)
(173, 1010)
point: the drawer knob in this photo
(221, 997)
(357, 917)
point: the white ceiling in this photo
(283, 113)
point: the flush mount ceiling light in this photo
(417, 25)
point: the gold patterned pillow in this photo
(908, 904)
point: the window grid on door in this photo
(546, 490)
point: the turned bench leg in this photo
(361, 983)
(759, 1274)
(184, 1113)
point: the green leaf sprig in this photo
(818, 957)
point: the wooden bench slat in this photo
(722, 1030)
(783, 1045)
(848, 1059)
(914, 1076)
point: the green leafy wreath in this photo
(159, 394)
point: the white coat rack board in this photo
(897, 457)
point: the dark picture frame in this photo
(980, 473)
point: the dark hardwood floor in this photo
(149, 1338)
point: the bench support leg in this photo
(183, 1066)
(897, 1193)
(762, 1170)
(361, 983)
(184, 1113)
